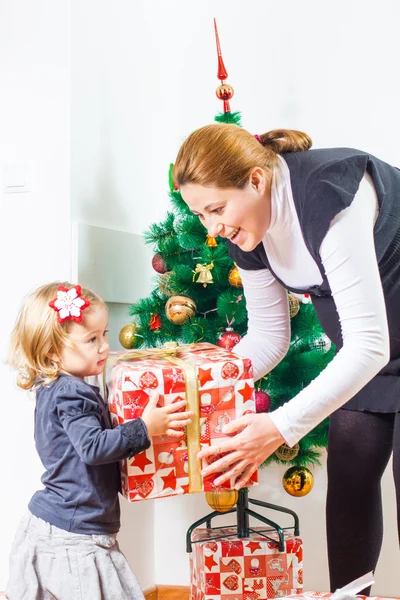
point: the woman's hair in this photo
(37, 334)
(223, 155)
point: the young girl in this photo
(65, 547)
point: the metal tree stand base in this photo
(243, 512)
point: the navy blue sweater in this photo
(80, 452)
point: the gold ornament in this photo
(234, 278)
(285, 452)
(222, 500)
(179, 309)
(211, 242)
(298, 481)
(164, 284)
(204, 272)
(294, 305)
(127, 336)
(224, 91)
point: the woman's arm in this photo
(349, 259)
(268, 334)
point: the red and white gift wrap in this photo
(326, 596)
(252, 568)
(218, 386)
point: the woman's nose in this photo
(214, 228)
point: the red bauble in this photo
(228, 339)
(158, 264)
(155, 322)
(263, 401)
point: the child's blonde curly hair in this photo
(38, 334)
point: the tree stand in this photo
(242, 518)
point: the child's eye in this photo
(218, 210)
(93, 339)
(105, 332)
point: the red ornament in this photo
(263, 401)
(155, 322)
(224, 91)
(158, 264)
(228, 339)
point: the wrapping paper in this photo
(218, 387)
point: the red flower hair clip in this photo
(69, 303)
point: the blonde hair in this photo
(223, 155)
(37, 334)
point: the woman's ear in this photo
(257, 179)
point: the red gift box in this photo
(218, 387)
(252, 568)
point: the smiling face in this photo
(240, 214)
(89, 347)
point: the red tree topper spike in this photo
(222, 73)
(224, 91)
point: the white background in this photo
(97, 97)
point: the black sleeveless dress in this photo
(324, 182)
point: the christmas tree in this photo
(198, 297)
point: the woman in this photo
(324, 222)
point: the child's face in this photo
(89, 350)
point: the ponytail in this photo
(286, 140)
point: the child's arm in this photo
(80, 415)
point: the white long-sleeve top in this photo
(348, 255)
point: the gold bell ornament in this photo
(204, 274)
(179, 309)
(298, 481)
(211, 242)
(222, 500)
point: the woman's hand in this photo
(257, 439)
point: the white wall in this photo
(143, 75)
(34, 226)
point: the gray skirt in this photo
(48, 563)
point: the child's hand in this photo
(165, 420)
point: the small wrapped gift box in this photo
(251, 568)
(218, 387)
(326, 596)
(348, 592)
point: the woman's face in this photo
(241, 215)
